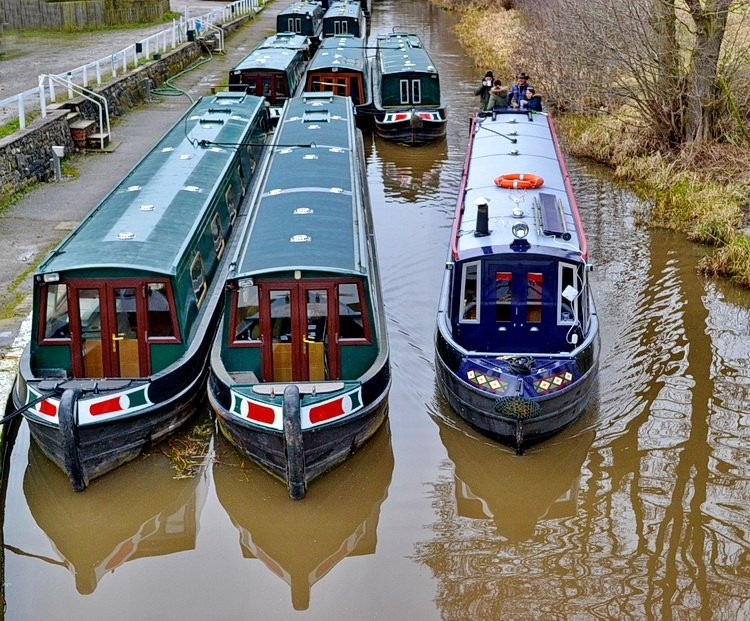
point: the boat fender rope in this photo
(296, 480)
(67, 415)
(519, 181)
(521, 365)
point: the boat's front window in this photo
(247, 325)
(404, 91)
(503, 297)
(198, 278)
(160, 323)
(281, 334)
(534, 282)
(469, 311)
(56, 321)
(351, 323)
(416, 91)
(89, 314)
(316, 333)
(567, 304)
(281, 90)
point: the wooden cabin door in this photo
(298, 343)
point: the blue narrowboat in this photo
(126, 306)
(407, 104)
(340, 66)
(345, 17)
(300, 366)
(274, 70)
(303, 17)
(517, 340)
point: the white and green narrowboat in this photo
(126, 306)
(300, 366)
(407, 104)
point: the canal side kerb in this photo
(38, 221)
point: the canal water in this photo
(639, 510)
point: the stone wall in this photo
(79, 14)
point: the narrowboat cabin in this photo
(300, 366)
(302, 17)
(340, 66)
(517, 340)
(274, 70)
(345, 18)
(406, 91)
(126, 306)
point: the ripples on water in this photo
(639, 510)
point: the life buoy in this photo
(519, 181)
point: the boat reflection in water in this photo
(142, 511)
(288, 537)
(516, 493)
(410, 175)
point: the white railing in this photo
(109, 67)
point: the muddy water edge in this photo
(639, 510)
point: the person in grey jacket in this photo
(483, 90)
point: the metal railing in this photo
(109, 67)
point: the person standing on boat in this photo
(498, 96)
(531, 101)
(518, 90)
(483, 90)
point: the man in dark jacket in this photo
(483, 90)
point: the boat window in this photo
(351, 322)
(231, 198)
(198, 278)
(281, 335)
(56, 322)
(316, 84)
(89, 314)
(247, 324)
(469, 311)
(503, 298)
(316, 333)
(265, 86)
(280, 86)
(566, 309)
(159, 311)
(534, 297)
(340, 27)
(217, 235)
(416, 91)
(241, 175)
(404, 91)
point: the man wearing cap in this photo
(518, 90)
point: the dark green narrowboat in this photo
(345, 17)
(302, 17)
(406, 91)
(300, 365)
(126, 306)
(274, 70)
(340, 66)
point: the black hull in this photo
(556, 411)
(405, 132)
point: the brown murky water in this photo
(640, 510)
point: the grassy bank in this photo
(703, 192)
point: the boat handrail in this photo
(462, 189)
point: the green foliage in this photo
(9, 128)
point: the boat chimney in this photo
(483, 217)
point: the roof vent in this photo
(186, 156)
(125, 236)
(310, 156)
(167, 149)
(133, 188)
(303, 211)
(147, 207)
(298, 239)
(192, 188)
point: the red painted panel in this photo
(48, 408)
(105, 407)
(261, 413)
(327, 411)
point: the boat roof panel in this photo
(342, 51)
(308, 212)
(403, 53)
(493, 154)
(148, 218)
(344, 8)
(275, 53)
(304, 7)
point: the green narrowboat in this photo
(340, 66)
(300, 365)
(345, 17)
(274, 70)
(302, 17)
(406, 91)
(126, 306)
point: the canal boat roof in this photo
(551, 207)
(344, 8)
(309, 211)
(275, 53)
(343, 51)
(403, 53)
(302, 7)
(149, 217)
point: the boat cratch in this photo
(300, 365)
(517, 339)
(406, 91)
(126, 306)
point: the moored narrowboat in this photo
(126, 306)
(340, 66)
(302, 17)
(517, 340)
(300, 365)
(407, 104)
(274, 70)
(345, 17)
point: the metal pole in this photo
(21, 112)
(98, 74)
(51, 89)
(70, 85)
(85, 76)
(42, 97)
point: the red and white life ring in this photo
(519, 181)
